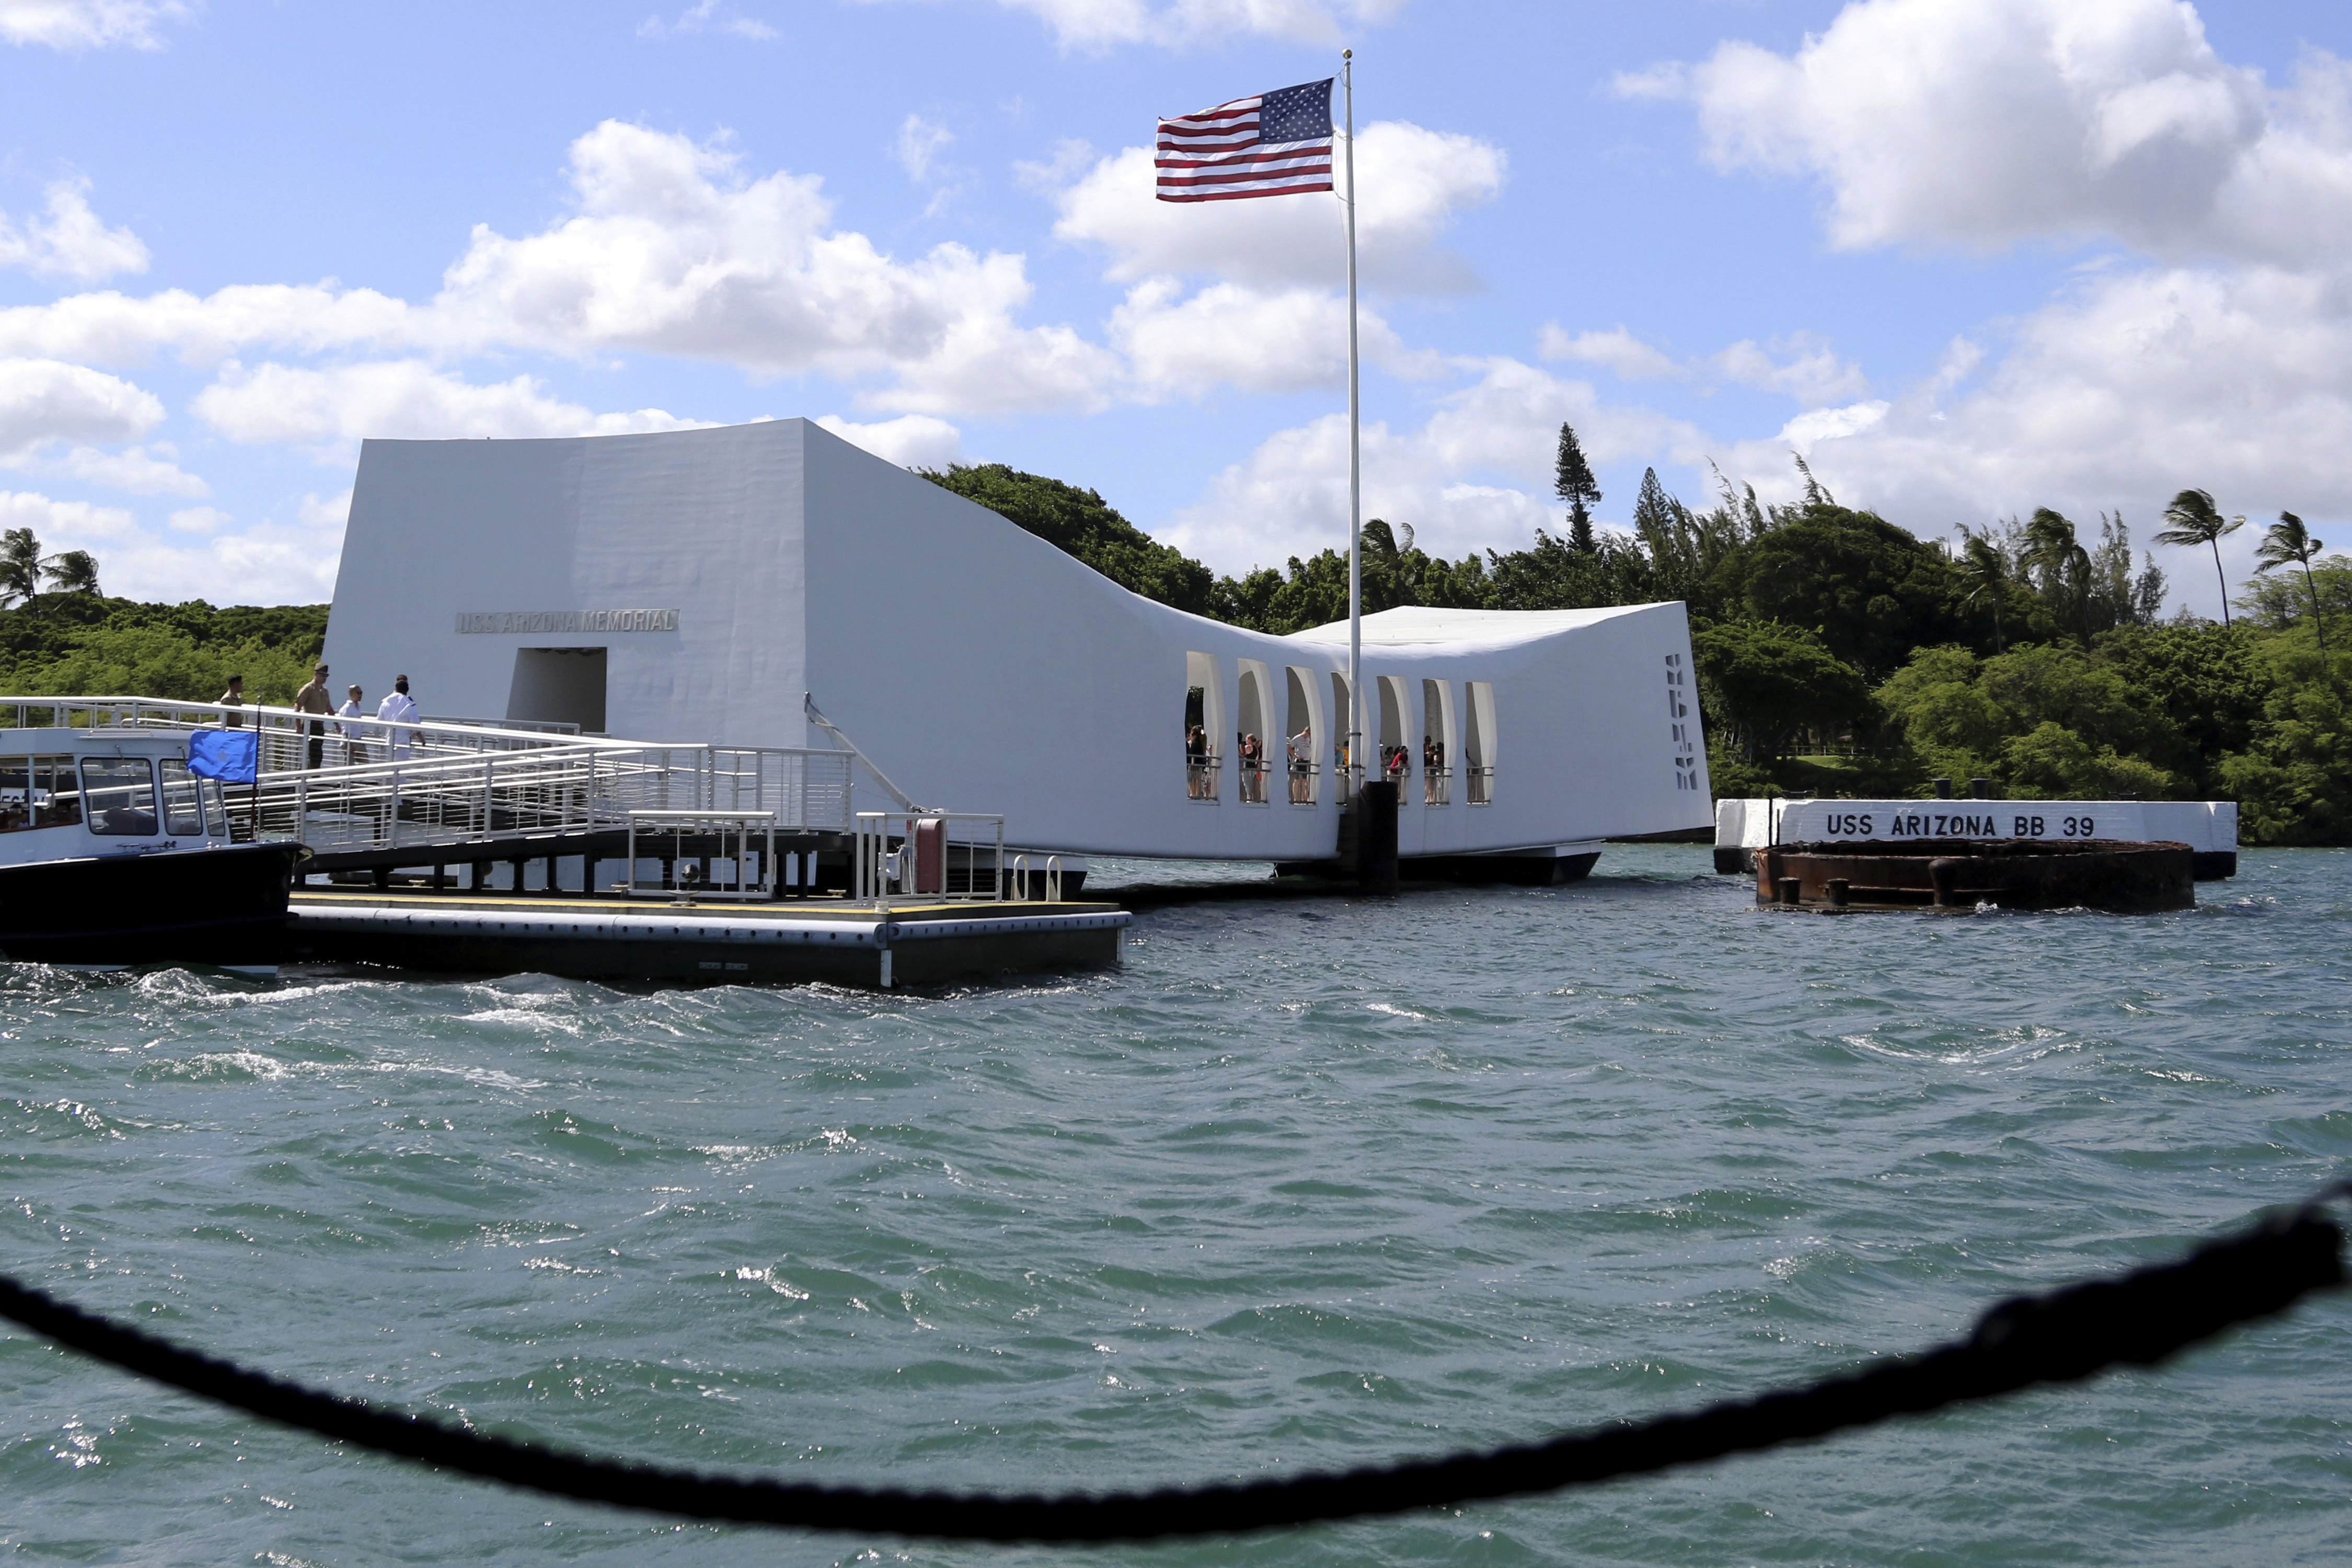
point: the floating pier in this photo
(910, 943)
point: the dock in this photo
(868, 945)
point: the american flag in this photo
(1274, 145)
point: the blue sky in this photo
(1969, 256)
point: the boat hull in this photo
(206, 906)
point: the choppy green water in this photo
(1305, 1185)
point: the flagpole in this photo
(1354, 786)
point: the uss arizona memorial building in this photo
(690, 586)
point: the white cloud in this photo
(111, 327)
(64, 524)
(918, 146)
(269, 562)
(1256, 340)
(200, 520)
(1803, 364)
(1979, 122)
(706, 17)
(1413, 183)
(1103, 24)
(87, 24)
(673, 253)
(1478, 475)
(71, 242)
(398, 398)
(912, 441)
(1616, 349)
(143, 470)
(44, 401)
(2133, 386)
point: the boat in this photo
(112, 853)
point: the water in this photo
(1303, 1185)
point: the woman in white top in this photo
(354, 732)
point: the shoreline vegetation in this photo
(1837, 653)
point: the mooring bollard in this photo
(1786, 887)
(1840, 891)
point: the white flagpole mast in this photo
(1355, 470)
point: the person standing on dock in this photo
(399, 710)
(232, 698)
(313, 699)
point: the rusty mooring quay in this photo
(2113, 876)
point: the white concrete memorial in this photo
(690, 586)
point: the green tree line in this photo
(2035, 655)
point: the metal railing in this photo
(340, 783)
(1303, 788)
(1479, 785)
(949, 856)
(1437, 786)
(1200, 777)
(1018, 885)
(744, 841)
(1253, 772)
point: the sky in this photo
(1968, 257)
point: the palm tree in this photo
(1986, 570)
(20, 566)
(75, 572)
(2196, 521)
(2051, 549)
(2287, 540)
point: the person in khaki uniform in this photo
(313, 699)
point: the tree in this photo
(2194, 520)
(1985, 569)
(1079, 523)
(1573, 483)
(2061, 567)
(1759, 682)
(20, 566)
(75, 572)
(2287, 540)
(1871, 589)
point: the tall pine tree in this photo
(1574, 483)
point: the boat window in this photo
(57, 794)
(216, 809)
(120, 796)
(184, 815)
(16, 794)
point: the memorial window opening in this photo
(1303, 729)
(1205, 746)
(1438, 746)
(1396, 724)
(1254, 745)
(1343, 720)
(1478, 744)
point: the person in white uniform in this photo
(399, 710)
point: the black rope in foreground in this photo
(2064, 1336)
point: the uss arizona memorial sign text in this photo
(567, 620)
